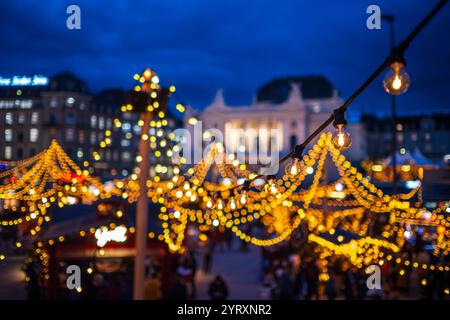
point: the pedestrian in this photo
(192, 265)
(330, 289)
(218, 289)
(266, 291)
(33, 288)
(312, 277)
(207, 259)
(229, 238)
(178, 290)
(153, 288)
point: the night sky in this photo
(238, 45)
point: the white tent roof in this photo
(416, 157)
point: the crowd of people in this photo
(290, 270)
(294, 270)
(184, 285)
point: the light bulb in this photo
(243, 194)
(220, 204)
(271, 186)
(232, 204)
(397, 80)
(342, 138)
(294, 168)
(243, 197)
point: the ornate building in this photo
(285, 110)
(425, 134)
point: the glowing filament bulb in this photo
(243, 199)
(220, 204)
(342, 138)
(397, 80)
(232, 204)
(294, 168)
(397, 83)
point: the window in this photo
(53, 103)
(93, 121)
(414, 136)
(70, 134)
(126, 126)
(293, 141)
(53, 119)
(9, 118)
(81, 136)
(8, 135)
(101, 123)
(93, 138)
(20, 136)
(427, 136)
(19, 153)
(294, 124)
(8, 152)
(70, 118)
(126, 156)
(70, 101)
(34, 134)
(34, 118)
(21, 119)
(32, 152)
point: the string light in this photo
(342, 138)
(397, 80)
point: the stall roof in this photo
(71, 219)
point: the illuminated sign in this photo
(36, 80)
(104, 235)
(412, 184)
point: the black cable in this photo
(401, 47)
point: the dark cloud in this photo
(236, 45)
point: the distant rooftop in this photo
(67, 81)
(311, 87)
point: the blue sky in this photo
(203, 45)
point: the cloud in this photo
(236, 45)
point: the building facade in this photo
(429, 134)
(34, 112)
(284, 113)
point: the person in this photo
(266, 291)
(153, 288)
(33, 288)
(192, 263)
(178, 290)
(229, 238)
(349, 282)
(312, 277)
(218, 289)
(284, 287)
(330, 289)
(207, 259)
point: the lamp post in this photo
(390, 19)
(145, 99)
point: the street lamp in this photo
(391, 19)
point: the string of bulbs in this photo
(396, 82)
